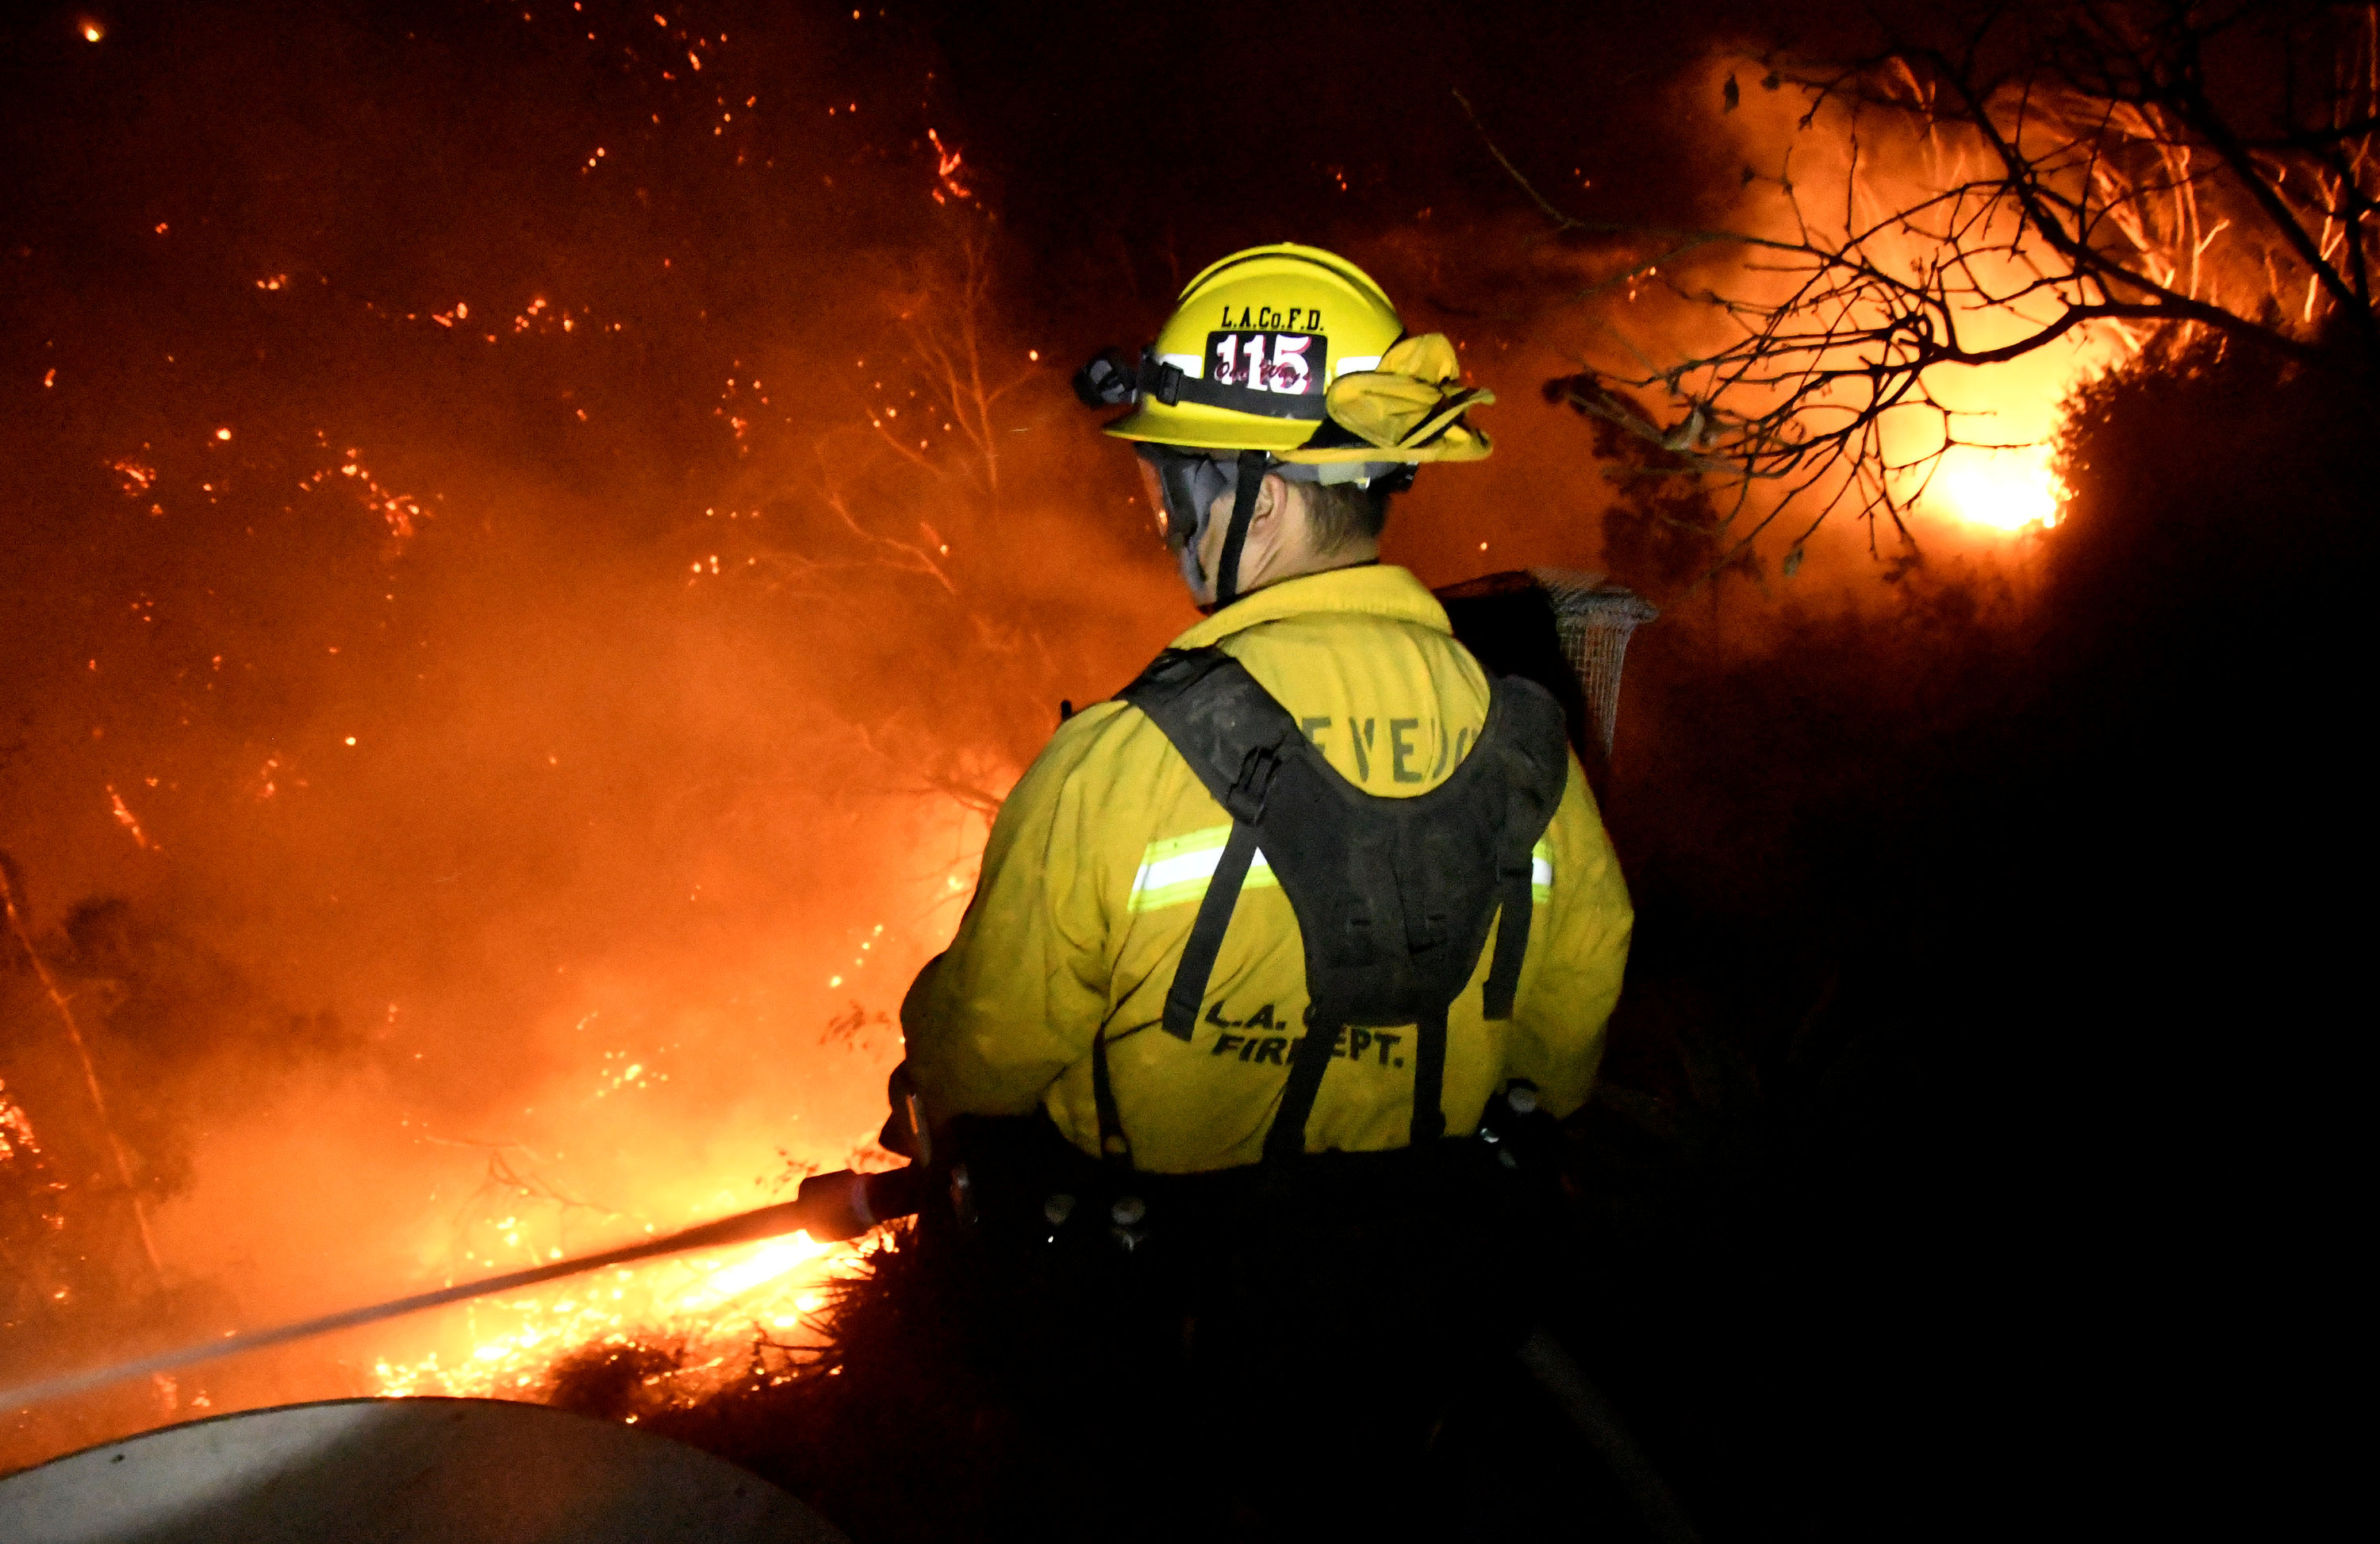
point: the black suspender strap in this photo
(1430, 1079)
(1512, 941)
(1430, 876)
(1189, 990)
(1312, 1058)
(1286, 1140)
(1539, 784)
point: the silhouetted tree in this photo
(2122, 169)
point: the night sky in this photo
(483, 389)
(533, 538)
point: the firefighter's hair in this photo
(1344, 513)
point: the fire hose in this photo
(830, 1208)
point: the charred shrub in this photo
(1976, 995)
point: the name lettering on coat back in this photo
(1413, 742)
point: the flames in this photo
(1876, 335)
(726, 1313)
(2008, 491)
(330, 1179)
(721, 1314)
(15, 1130)
(2000, 479)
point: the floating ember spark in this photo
(400, 510)
(125, 817)
(946, 168)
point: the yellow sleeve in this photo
(1017, 997)
(1578, 951)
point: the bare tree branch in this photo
(2086, 178)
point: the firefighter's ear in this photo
(1273, 502)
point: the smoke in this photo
(515, 635)
(533, 557)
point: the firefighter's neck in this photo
(1281, 539)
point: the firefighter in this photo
(1264, 938)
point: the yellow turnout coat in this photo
(1098, 861)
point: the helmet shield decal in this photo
(1287, 364)
(1247, 359)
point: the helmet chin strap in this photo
(1250, 480)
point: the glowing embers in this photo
(859, 960)
(716, 1311)
(946, 168)
(130, 822)
(16, 1128)
(630, 1073)
(400, 510)
(2004, 489)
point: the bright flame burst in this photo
(2003, 489)
(718, 1317)
(718, 1310)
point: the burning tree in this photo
(2018, 177)
(917, 495)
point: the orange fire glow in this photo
(721, 1309)
(1972, 444)
(731, 1051)
(723, 1315)
(16, 1128)
(1998, 490)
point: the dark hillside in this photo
(1976, 1029)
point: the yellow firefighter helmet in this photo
(1296, 352)
(1280, 360)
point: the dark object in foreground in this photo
(401, 1471)
(1190, 1300)
(1025, 1376)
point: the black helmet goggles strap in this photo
(1191, 482)
(1250, 482)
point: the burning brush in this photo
(828, 1208)
(1569, 631)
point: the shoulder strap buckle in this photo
(1245, 797)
